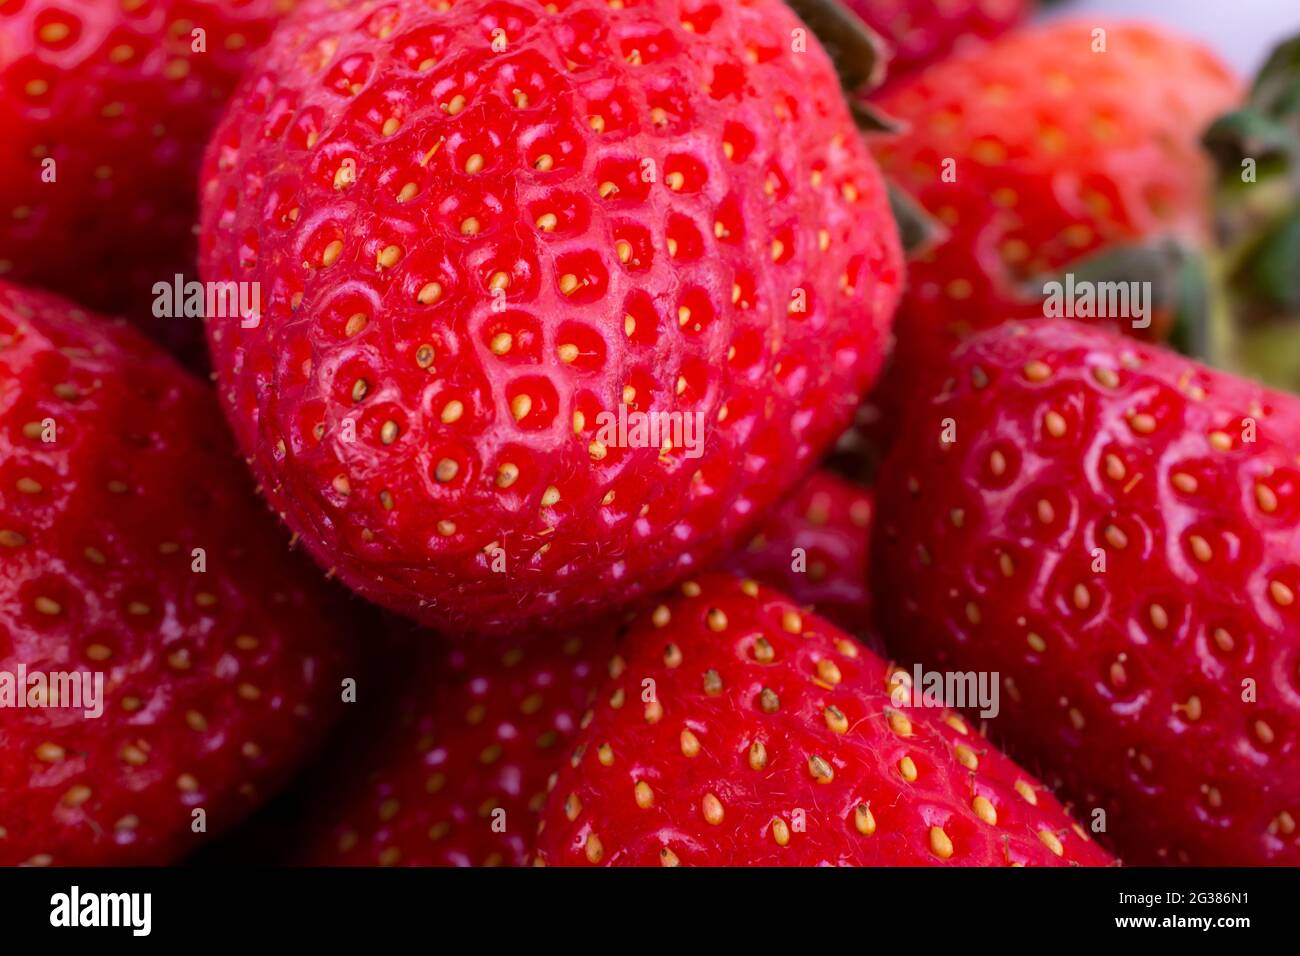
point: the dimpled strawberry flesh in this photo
(106, 108)
(456, 774)
(814, 548)
(1113, 529)
(460, 769)
(744, 731)
(388, 178)
(133, 547)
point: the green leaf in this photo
(1271, 274)
(1276, 90)
(1174, 278)
(1256, 150)
(872, 120)
(857, 51)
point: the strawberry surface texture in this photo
(455, 771)
(814, 547)
(742, 730)
(1112, 528)
(484, 232)
(106, 107)
(165, 662)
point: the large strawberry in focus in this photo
(742, 731)
(814, 548)
(106, 106)
(1113, 528)
(1071, 147)
(453, 770)
(483, 234)
(134, 553)
(919, 32)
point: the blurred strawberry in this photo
(106, 106)
(814, 548)
(921, 31)
(453, 770)
(133, 553)
(1072, 147)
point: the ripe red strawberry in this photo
(113, 93)
(1112, 527)
(742, 731)
(454, 774)
(1036, 153)
(814, 548)
(132, 547)
(464, 265)
(480, 727)
(921, 31)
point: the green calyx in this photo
(1158, 288)
(857, 51)
(1256, 150)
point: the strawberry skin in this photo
(114, 94)
(742, 731)
(1111, 533)
(814, 548)
(465, 262)
(1060, 152)
(456, 776)
(220, 666)
(481, 726)
(921, 31)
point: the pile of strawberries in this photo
(629, 479)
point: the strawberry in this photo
(482, 230)
(455, 772)
(1038, 154)
(1112, 528)
(814, 548)
(106, 106)
(742, 731)
(480, 727)
(137, 560)
(922, 31)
